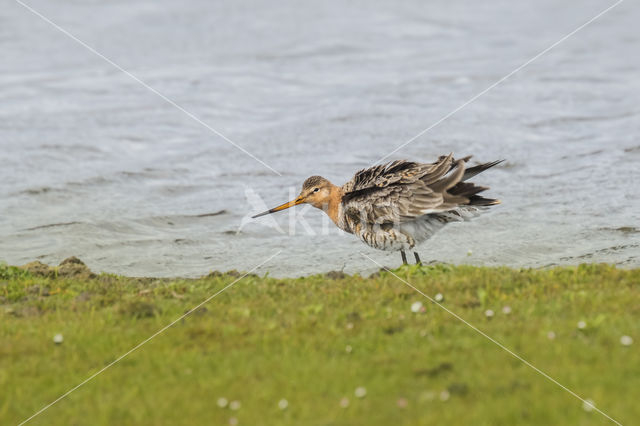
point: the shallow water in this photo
(95, 165)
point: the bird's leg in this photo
(418, 261)
(404, 257)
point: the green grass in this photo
(265, 339)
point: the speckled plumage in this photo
(398, 205)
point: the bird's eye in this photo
(316, 189)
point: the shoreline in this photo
(73, 267)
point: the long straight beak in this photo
(292, 203)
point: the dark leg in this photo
(418, 262)
(404, 257)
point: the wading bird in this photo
(398, 205)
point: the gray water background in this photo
(95, 165)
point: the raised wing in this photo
(401, 191)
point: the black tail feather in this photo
(477, 200)
(466, 189)
(472, 171)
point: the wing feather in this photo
(401, 191)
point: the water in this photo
(96, 165)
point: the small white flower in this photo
(416, 307)
(57, 339)
(233, 421)
(582, 325)
(222, 402)
(488, 313)
(444, 395)
(234, 405)
(360, 392)
(344, 402)
(348, 348)
(551, 335)
(588, 405)
(626, 340)
(506, 310)
(439, 297)
(469, 252)
(427, 396)
(283, 404)
(349, 325)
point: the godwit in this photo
(398, 205)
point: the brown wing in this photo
(400, 191)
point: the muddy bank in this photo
(72, 267)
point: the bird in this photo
(398, 205)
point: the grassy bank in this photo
(313, 341)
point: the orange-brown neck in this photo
(335, 198)
(331, 204)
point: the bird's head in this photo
(316, 191)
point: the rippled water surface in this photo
(98, 166)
